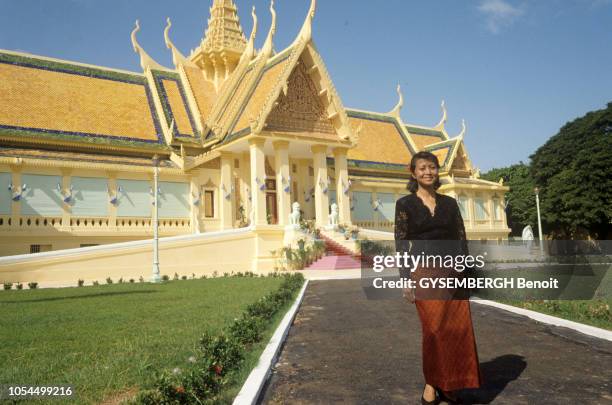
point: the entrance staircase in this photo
(336, 257)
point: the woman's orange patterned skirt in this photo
(450, 358)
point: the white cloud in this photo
(499, 14)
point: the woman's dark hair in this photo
(413, 185)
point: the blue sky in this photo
(516, 70)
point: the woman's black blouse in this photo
(415, 223)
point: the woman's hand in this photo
(408, 294)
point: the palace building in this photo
(239, 134)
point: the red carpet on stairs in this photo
(336, 257)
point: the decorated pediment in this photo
(299, 107)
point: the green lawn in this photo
(591, 312)
(107, 339)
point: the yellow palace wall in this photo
(18, 232)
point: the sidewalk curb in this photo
(249, 393)
(549, 319)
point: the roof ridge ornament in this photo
(400, 103)
(249, 51)
(177, 56)
(306, 31)
(442, 123)
(146, 62)
(268, 46)
(462, 133)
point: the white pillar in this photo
(319, 161)
(282, 169)
(342, 198)
(258, 170)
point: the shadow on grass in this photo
(75, 297)
(497, 374)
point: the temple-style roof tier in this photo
(47, 100)
(194, 110)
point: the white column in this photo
(225, 189)
(282, 169)
(341, 169)
(258, 170)
(319, 161)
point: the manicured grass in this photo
(106, 339)
(591, 312)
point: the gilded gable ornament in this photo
(299, 106)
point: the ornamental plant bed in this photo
(222, 359)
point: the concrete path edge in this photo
(249, 393)
(549, 319)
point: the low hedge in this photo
(219, 357)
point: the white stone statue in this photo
(527, 233)
(527, 236)
(294, 217)
(333, 216)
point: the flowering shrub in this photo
(219, 357)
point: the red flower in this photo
(180, 389)
(218, 369)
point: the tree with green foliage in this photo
(520, 200)
(573, 171)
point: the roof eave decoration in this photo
(395, 112)
(177, 57)
(441, 125)
(146, 62)
(268, 46)
(249, 51)
(306, 31)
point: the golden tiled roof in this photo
(203, 91)
(45, 98)
(259, 95)
(421, 141)
(179, 109)
(379, 140)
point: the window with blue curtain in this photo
(481, 209)
(5, 194)
(89, 196)
(134, 199)
(463, 202)
(362, 206)
(387, 207)
(173, 200)
(41, 196)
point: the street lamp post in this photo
(537, 194)
(155, 277)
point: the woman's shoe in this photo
(435, 401)
(446, 396)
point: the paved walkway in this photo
(343, 348)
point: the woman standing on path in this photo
(450, 359)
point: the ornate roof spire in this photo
(224, 32)
(223, 44)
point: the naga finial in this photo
(400, 103)
(146, 62)
(442, 122)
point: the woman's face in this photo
(425, 172)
